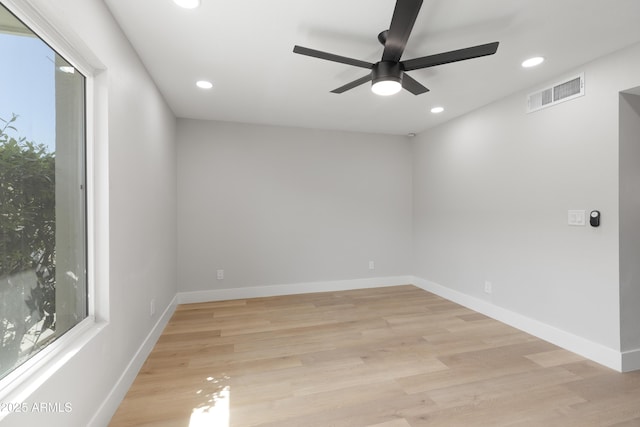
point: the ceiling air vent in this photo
(559, 92)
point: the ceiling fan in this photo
(388, 75)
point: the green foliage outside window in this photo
(27, 240)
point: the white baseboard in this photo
(114, 398)
(598, 353)
(631, 360)
(290, 289)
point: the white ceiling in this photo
(245, 48)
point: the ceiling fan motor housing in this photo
(387, 71)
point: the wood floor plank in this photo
(383, 357)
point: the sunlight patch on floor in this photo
(214, 411)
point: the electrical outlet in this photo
(487, 287)
(220, 274)
(152, 307)
(372, 265)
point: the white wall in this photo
(630, 221)
(276, 205)
(141, 229)
(491, 194)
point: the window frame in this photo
(50, 27)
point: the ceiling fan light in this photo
(187, 4)
(386, 78)
(386, 87)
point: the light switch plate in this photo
(576, 217)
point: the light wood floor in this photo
(385, 357)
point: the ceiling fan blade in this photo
(404, 17)
(452, 56)
(412, 85)
(331, 57)
(353, 84)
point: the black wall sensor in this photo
(594, 218)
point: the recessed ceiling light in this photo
(67, 69)
(436, 110)
(203, 84)
(532, 62)
(187, 4)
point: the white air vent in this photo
(556, 93)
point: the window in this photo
(43, 285)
